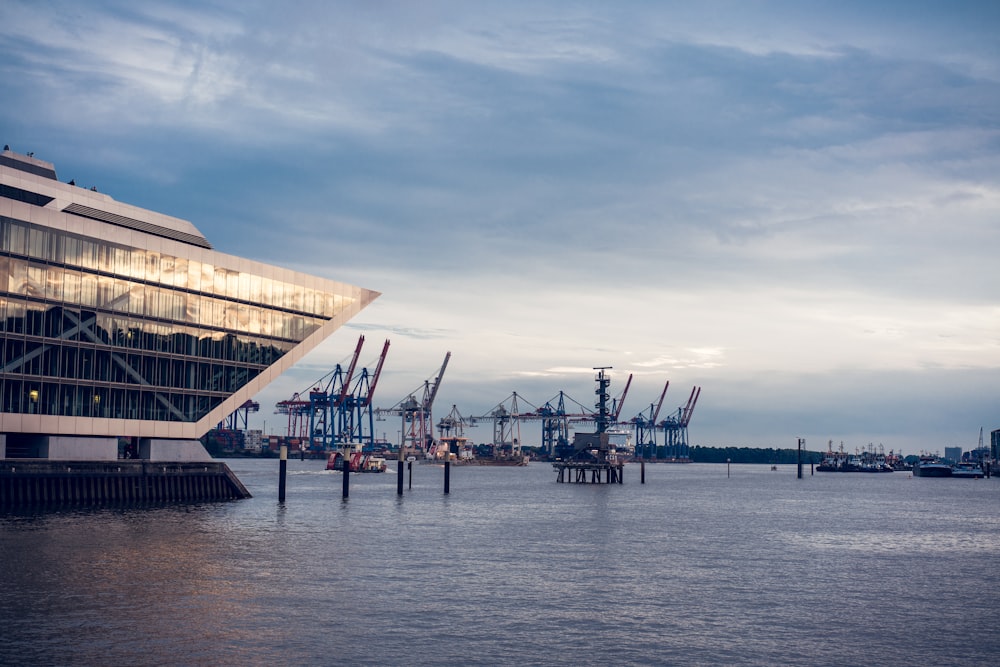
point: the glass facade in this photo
(95, 328)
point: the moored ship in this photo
(967, 470)
(861, 461)
(931, 466)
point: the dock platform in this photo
(589, 472)
(30, 483)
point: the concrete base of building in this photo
(75, 448)
(96, 448)
(156, 449)
(58, 447)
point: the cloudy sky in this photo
(793, 205)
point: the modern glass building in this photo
(116, 321)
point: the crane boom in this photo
(345, 386)
(437, 382)
(686, 416)
(378, 372)
(659, 404)
(621, 399)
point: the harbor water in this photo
(698, 566)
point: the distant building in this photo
(953, 453)
(119, 322)
(994, 444)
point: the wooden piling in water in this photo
(282, 471)
(799, 458)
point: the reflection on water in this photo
(877, 542)
(511, 568)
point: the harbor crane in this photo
(356, 416)
(556, 424)
(506, 417)
(326, 405)
(675, 428)
(451, 434)
(337, 406)
(453, 424)
(645, 428)
(238, 420)
(417, 422)
(297, 410)
(618, 402)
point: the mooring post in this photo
(799, 458)
(302, 453)
(399, 477)
(727, 468)
(642, 472)
(447, 477)
(282, 471)
(347, 477)
(409, 468)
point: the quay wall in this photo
(30, 483)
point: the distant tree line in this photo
(751, 455)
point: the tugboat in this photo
(833, 461)
(358, 462)
(875, 462)
(931, 466)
